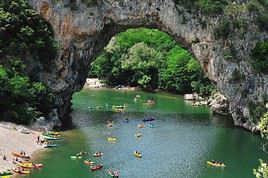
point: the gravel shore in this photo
(12, 139)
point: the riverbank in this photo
(14, 138)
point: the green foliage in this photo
(237, 75)
(208, 7)
(256, 111)
(23, 33)
(212, 7)
(150, 59)
(262, 170)
(22, 30)
(263, 126)
(224, 29)
(262, 21)
(260, 57)
(254, 6)
(228, 56)
(21, 99)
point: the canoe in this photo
(113, 173)
(109, 125)
(111, 139)
(96, 167)
(16, 154)
(26, 165)
(98, 154)
(138, 135)
(137, 154)
(54, 133)
(88, 162)
(148, 119)
(215, 164)
(21, 171)
(75, 157)
(50, 145)
(5, 176)
(151, 125)
(140, 126)
(36, 166)
(52, 138)
(5, 173)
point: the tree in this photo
(262, 170)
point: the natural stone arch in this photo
(83, 32)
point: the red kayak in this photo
(96, 167)
(98, 154)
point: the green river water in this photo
(178, 147)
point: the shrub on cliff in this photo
(260, 57)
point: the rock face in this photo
(83, 30)
(219, 104)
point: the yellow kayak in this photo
(26, 165)
(137, 154)
(16, 170)
(215, 164)
(111, 139)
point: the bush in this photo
(260, 57)
(262, 21)
(223, 30)
(254, 6)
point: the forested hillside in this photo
(151, 60)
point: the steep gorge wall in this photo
(82, 31)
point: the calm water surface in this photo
(184, 138)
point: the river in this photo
(178, 147)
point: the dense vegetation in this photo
(150, 59)
(23, 34)
(262, 170)
(260, 57)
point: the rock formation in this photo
(83, 29)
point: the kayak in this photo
(5, 176)
(26, 165)
(88, 162)
(149, 119)
(96, 167)
(138, 135)
(6, 173)
(16, 154)
(151, 125)
(50, 145)
(111, 139)
(98, 154)
(54, 133)
(21, 171)
(36, 166)
(137, 154)
(109, 125)
(215, 164)
(140, 126)
(52, 138)
(75, 157)
(113, 173)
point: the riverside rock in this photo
(83, 30)
(219, 105)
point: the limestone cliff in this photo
(82, 30)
